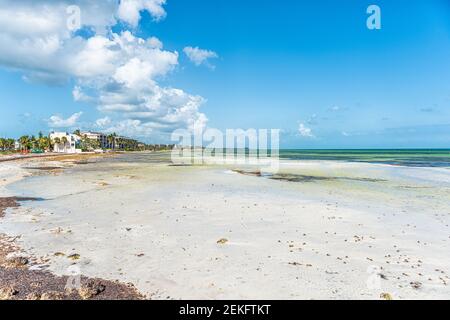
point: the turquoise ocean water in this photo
(402, 157)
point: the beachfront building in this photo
(64, 142)
(101, 138)
(111, 141)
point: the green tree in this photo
(64, 141)
(44, 143)
(25, 143)
(112, 140)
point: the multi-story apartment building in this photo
(100, 137)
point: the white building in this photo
(100, 137)
(64, 142)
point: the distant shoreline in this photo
(18, 156)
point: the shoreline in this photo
(165, 250)
(24, 276)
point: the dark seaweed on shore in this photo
(302, 178)
(13, 202)
(306, 178)
(18, 282)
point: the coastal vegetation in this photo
(7, 144)
(42, 143)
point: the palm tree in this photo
(24, 142)
(3, 144)
(33, 142)
(11, 143)
(44, 143)
(57, 141)
(64, 141)
(112, 140)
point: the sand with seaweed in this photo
(23, 276)
(316, 230)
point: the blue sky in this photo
(282, 64)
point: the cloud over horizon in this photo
(57, 121)
(305, 131)
(117, 72)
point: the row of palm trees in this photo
(44, 143)
(40, 142)
(27, 143)
(120, 143)
(7, 144)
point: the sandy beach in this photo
(316, 230)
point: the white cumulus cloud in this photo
(103, 122)
(200, 56)
(129, 10)
(117, 72)
(305, 131)
(57, 121)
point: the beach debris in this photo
(33, 296)
(51, 295)
(296, 264)
(6, 293)
(386, 296)
(59, 230)
(45, 168)
(91, 289)
(59, 254)
(140, 255)
(416, 285)
(128, 229)
(74, 256)
(17, 262)
(249, 173)
(222, 241)
(382, 276)
(331, 272)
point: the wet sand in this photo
(21, 280)
(316, 230)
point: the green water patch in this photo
(307, 178)
(290, 177)
(47, 168)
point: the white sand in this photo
(9, 173)
(286, 240)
